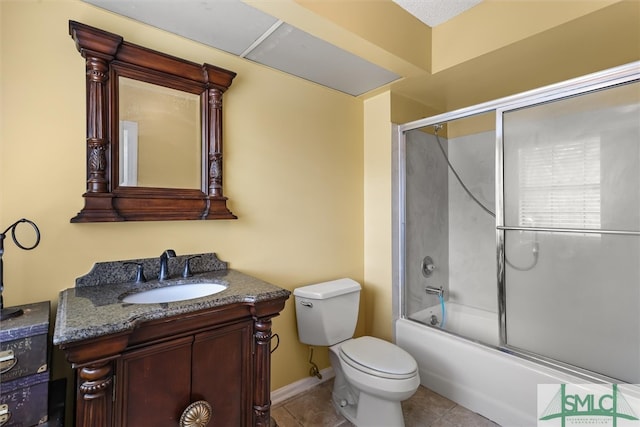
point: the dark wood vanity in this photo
(158, 373)
(170, 364)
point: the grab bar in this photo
(569, 230)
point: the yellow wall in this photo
(500, 48)
(293, 171)
(377, 214)
(494, 24)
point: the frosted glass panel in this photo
(575, 162)
(580, 303)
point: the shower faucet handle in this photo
(427, 266)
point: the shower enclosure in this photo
(526, 212)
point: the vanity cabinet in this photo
(150, 375)
(158, 382)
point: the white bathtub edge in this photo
(479, 403)
(494, 384)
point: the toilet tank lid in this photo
(329, 289)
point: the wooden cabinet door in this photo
(221, 373)
(154, 384)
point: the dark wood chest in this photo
(24, 371)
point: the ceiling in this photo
(490, 50)
(240, 29)
(436, 12)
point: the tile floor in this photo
(313, 408)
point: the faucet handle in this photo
(139, 271)
(187, 270)
(427, 266)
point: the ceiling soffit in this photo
(350, 46)
(238, 28)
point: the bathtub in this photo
(473, 323)
(480, 377)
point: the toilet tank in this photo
(327, 312)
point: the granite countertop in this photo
(86, 312)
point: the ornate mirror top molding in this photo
(112, 193)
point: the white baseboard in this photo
(300, 386)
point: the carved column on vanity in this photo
(94, 364)
(94, 397)
(262, 391)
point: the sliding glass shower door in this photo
(555, 276)
(569, 229)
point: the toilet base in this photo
(370, 411)
(360, 407)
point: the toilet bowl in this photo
(379, 367)
(372, 376)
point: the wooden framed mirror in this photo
(154, 133)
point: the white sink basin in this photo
(173, 293)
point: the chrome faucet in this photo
(164, 263)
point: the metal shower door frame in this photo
(574, 87)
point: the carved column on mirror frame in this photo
(215, 147)
(98, 48)
(262, 389)
(94, 399)
(97, 146)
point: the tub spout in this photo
(434, 291)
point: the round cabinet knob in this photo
(198, 414)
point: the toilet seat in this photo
(379, 358)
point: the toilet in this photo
(372, 376)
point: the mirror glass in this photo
(160, 136)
